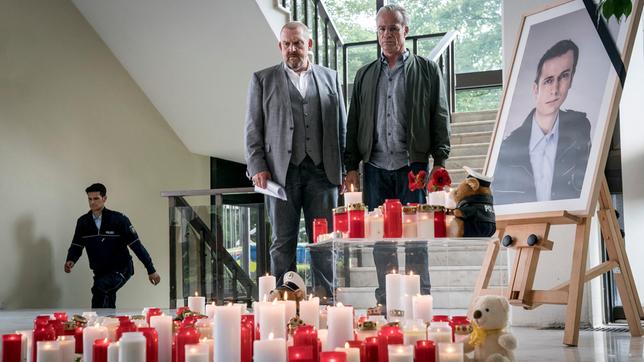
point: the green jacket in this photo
(427, 111)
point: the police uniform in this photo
(478, 217)
(107, 251)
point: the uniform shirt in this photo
(543, 153)
(107, 246)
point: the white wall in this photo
(70, 115)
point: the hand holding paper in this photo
(272, 189)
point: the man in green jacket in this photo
(398, 117)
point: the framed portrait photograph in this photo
(557, 115)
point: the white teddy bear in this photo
(488, 340)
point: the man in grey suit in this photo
(295, 136)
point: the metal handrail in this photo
(446, 41)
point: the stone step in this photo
(471, 149)
(470, 137)
(461, 117)
(474, 126)
(455, 256)
(473, 161)
(452, 298)
(458, 174)
(441, 276)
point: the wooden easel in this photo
(528, 234)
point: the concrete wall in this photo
(70, 115)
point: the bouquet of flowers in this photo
(439, 179)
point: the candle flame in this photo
(274, 301)
(339, 304)
(265, 298)
(270, 335)
(393, 271)
(310, 296)
(346, 345)
(285, 295)
(196, 294)
(411, 272)
(230, 304)
(106, 340)
(351, 187)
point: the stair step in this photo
(455, 256)
(474, 126)
(473, 161)
(462, 117)
(458, 174)
(471, 149)
(470, 137)
(441, 276)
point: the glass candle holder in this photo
(356, 220)
(439, 332)
(410, 229)
(376, 224)
(392, 218)
(425, 221)
(340, 219)
(440, 229)
(319, 227)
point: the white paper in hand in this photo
(272, 189)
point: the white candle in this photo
(197, 353)
(132, 347)
(450, 352)
(269, 350)
(67, 348)
(376, 225)
(266, 284)
(272, 319)
(163, 325)
(90, 316)
(113, 352)
(204, 326)
(90, 334)
(210, 310)
(290, 308)
(422, 307)
(437, 198)
(439, 332)
(450, 203)
(112, 325)
(409, 218)
(425, 223)
(410, 284)
(209, 345)
(48, 351)
(352, 197)
(414, 330)
(310, 311)
(322, 336)
(197, 304)
(340, 326)
(406, 306)
(227, 333)
(352, 354)
(401, 353)
(393, 282)
(27, 337)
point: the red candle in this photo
(246, 342)
(125, 326)
(440, 230)
(151, 313)
(300, 354)
(41, 320)
(59, 327)
(359, 345)
(43, 332)
(307, 336)
(371, 347)
(11, 348)
(356, 220)
(151, 343)
(61, 316)
(333, 357)
(340, 219)
(392, 218)
(440, 318)
(186, 335)
(455, 321)
(78, 340)
(425, 351)
(386, 336)
(99, 350)
(319, 227)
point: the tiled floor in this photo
(534, 344)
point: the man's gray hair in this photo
(393, 8)
(292, 25)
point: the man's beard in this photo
(295, 62)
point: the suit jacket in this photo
(513, 176)
(269, 122)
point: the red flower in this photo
(440, 179)
(416, 181)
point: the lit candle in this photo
(78, 335)
(310, 311)
(67, 348)
(393, 283)
(406, 306)
(47, 351)
(425, 351)
(356, 220)
(323, 334)
(163, 325)
(210, 310)
(388, 335)
(269, 350)
(247, 336)
(352, 197)
(151, 344)
(340, 219)
(227, 333)
(99, 350)
(26, 344)
(132, 347)
(197, 304)
(113, 352)
(185, 335)
(410, 229)
(425, 223)
(340, 326)
(371, 349)
(392, 218)
(422, 307)
(197, 353)
(333, 357)
(112, 324)
(151, 312)
(401, 353)
(450, 352)
(204, 326)
(414, 330)
(11, 348)
(272, 319)
(439, 332)
(376, 225)
(352, 353)
(90, 334)
(410, 286)
(300, 354)
(90, 316)
(320, 227)
(266, 284)
(207, 344)
(290, 307)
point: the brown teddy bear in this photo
(474, 212)
(489, 341)
(292, 288)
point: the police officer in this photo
(106, 235)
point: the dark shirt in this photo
(107, 248)
(478, 215)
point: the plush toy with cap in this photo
(488, 340)
(474, 212)
(292, 288)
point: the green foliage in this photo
(616, 8)
(478, 99)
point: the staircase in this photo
(471, 135)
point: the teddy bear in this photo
(474, 212)
(292, 288)
(489, 341)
